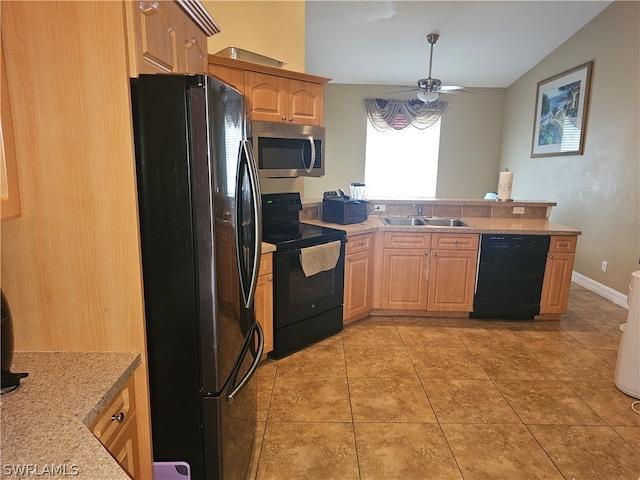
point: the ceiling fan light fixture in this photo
(428, 97)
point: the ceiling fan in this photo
(429, 89)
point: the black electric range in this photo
(307, 308)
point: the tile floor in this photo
(436, 398)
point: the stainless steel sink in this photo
(403, 221)
(446, 222)
(424, 222)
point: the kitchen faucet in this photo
(418, 207)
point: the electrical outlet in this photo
(518, 210)
(603, 267)
(379, 208)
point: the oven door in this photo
(298, 297)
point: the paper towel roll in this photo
(504, 185)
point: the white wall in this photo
(596, 192)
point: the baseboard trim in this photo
(600, 289)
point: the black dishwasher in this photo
(510, 273)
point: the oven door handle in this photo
(313, 155)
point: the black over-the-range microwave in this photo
(288, 150)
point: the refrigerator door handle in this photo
(256, 199)
(236, 388)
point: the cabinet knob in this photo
(270, 279)
(435, 254)
(118, 418)
(563, 244)
(284, 119)
(426, 253)
(291, 119)
(348, 259)
(455, 242)
(550, 256)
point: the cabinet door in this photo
(266, 94)
(263, 301)
(10, 206)
(304, 102)
(451, 280)
(404, 279)
(556, 283)
(357, 285)
(192, 46)
(117, 430)
(229, 75)
(155, 24)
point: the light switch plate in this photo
(518, 210)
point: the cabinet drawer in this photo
(116, 415)
(448, 241)
(266, 264)
(359, 243)
(407, 240)
(563, 243)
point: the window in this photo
(402, 163)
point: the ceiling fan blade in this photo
(408, 89)
(449, 88)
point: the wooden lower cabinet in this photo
(405, 272)
(116, 429)
(557, 275)
(263, 300)
(358, 271)
(429, 272)
(452, 272)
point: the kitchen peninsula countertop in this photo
(517, 226)
(45, 423)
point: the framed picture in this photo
(561, 113)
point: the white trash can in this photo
(627, 376)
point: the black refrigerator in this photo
(200, 232)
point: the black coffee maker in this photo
(9, 381)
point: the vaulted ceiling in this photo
(481, 44)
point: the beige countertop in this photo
(45, 422)
(518, 226)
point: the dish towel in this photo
(319, 258)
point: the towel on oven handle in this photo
(319, 258)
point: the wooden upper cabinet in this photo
(9, 191)
(168, 36)
(273, 94)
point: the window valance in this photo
(399, 114)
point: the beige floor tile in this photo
(265, 388)
(378, 361)
(554, 340)
(498, 452)
(372, 331)
(487, 337)
(547, 403)
(308, 451)
(613, 406)
(609, 356)
(257, 449)
(445, 362)
(320, 360)
(389, 400)
(308, 399)
(589, 452)
(601, 340)
(575, 364)
(511, 363)
(631, 435)
(408, 451)
(427, 336)
(468, 401)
